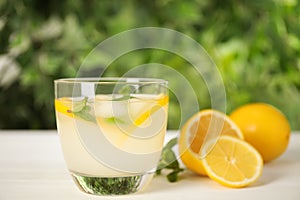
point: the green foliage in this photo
(255, 44)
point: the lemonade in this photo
(112, 142)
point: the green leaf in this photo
(169, 161)
(171, 143)
(173, 176)
(82, 110)
(114, 120)
(50, 29)
(168, 156)
(79, 106)
(86, 116)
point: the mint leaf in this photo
(125, 92)
(169, 161)
(171, 143)
(85, 115)
(173, 176)
(78, 106)
(82, 110)
(114, 120)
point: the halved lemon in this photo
(204, 125)
(232, 162)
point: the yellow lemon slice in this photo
(64, 106)
(232, 162)
(119, 120)
(163, 101)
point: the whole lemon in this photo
(264, 127)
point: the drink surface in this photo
(112, 136)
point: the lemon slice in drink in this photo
(134, 111)
(118, 120)
(145, 107)
(64, 106)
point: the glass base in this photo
(112, 185)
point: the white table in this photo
(32, 167)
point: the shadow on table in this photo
(280, 167)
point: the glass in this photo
(111, 131)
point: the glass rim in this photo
(112, 80)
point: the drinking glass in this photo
(111, 131)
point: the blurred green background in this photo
(255, 44)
